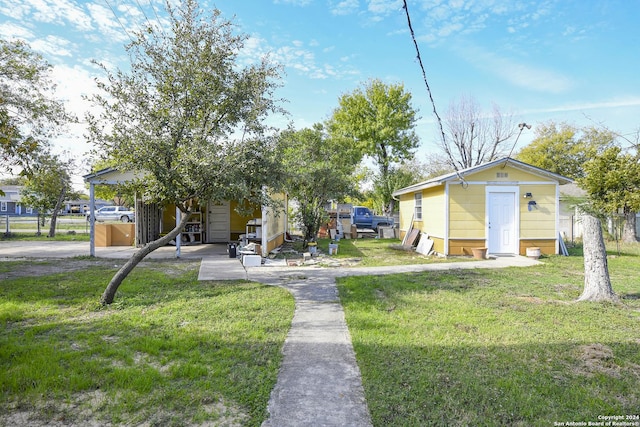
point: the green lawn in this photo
(503, 347)
(170, 351)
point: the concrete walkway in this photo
(319, 382)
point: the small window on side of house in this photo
(418, 206)
(3, 207)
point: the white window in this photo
(29, 211)
(418, 206)
(3, 206)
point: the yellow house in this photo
(210, 223)
(505, 206)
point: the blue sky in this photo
(561, 60)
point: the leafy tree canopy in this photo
(380, 120)
(29, 114)
(47, 186)
(564, 149)
(317, 169)
(188, 117)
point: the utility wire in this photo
(426, 82)
(118, 19)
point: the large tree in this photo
(472, 137)
(380, 119)
(47, 186)
(29, 113)
(564, 149)
(597, 284)
(317, 169)
(612, 183)
(188, 116)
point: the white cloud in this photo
(49, 11)
(9, 30)
(293, 2)
(384, 7)
(624, 102)
(110, 27)
(526, 76)
(52, 45)
(345, 7)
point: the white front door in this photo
(218, 223)
(503, 238)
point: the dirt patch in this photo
(82, 409)
(39, 267)
(42, 267)
(596, 358)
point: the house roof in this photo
(460, 175)
(111, 176)
(571, 190)
(11, 193)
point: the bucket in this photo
(533, 253)
(479, 253)
(333, 249)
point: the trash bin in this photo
(232, 250)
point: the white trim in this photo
(516, 210)
(508, 183)
(557, 233)
(446, 218)
(415, 205)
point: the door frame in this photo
(209, 217)
(515, 190)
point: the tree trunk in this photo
(597, 285)
(629, 227)
(110, 292)
(54, 214)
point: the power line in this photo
(118, 19)
(426, 82)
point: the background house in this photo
(10, 202)
(504, 205)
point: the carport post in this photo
(179, 236)
(92, 220)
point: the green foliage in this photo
(564, 149)
(29, 116)
(612, 181)
(188, 116)
(316, 169)
(380, 120)
(47, 186)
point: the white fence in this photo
(31, 225)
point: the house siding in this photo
(407, 202)
(467, 211)
(433, 212)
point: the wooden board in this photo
(411, 240)
(425, 246)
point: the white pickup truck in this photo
(114, 213)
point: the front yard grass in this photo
(497, 347)
(170, 351)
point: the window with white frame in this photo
(417, 213)
(3, 206)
